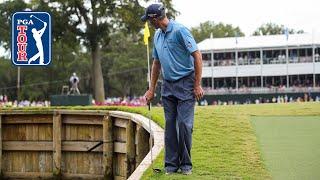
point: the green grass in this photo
(290, 145)
(224, 142)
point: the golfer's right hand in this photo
(149, 95)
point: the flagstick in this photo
(149, 106)
(148, 59)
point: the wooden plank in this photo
(48, 156)
(29, 155)
(142, 144)
(84, 112)
(119, 178)
(82, 119)
(83, 133)
(92, 157)
(73, 156)
(24, 112)
(66, 155)
(27, 145)
(57, 145)
(26, 175)
(119, 167)
(65, 162)
(35, 155)
(48, 162)
(27, 119)
(50, 112)
(15, 158)
(119, 134)
(96, 163)
(6, 163)
(98, 132)
(107, 148)
(130, 147)
(82, 159)
(29, 161)
(80, 146)
(120, 122)
(81, 176)
(20, 132)
(20, 157)
(119, 147)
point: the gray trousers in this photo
(178, 102)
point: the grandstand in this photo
(261, 67)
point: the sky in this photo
(250, 14)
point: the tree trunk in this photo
(98, 84)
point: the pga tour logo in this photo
(31, 38)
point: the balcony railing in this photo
(256, 61)
(259, 90)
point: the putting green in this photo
(290, 145)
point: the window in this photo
(293, 55)
(249, 58)
(303, 55)
(317, 55)
(206, 83)
(224, 59)
(206, 59)
(277, 56)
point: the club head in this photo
(31, 16)
(156, 170)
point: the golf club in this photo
(156, 170)
(37, 18)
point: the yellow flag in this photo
(146, 34)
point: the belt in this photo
(174, 81)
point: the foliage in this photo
(208, 28)
(85, 30)
(273, 29)
(126, 61)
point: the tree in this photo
(6, 10)
(93, 22)
(273, 29)
(81, 24)
(204, 31)
(126, 66)
(8, 78)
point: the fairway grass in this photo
(224, 141)
(290, 145)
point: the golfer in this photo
(175, 52)
(74, 80)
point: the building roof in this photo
(253, 42)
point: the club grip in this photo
(148, 103)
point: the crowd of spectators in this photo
(258, 90)
(24, 103)
(274, 99)
(110, 101)
(123, 101)
(140, 101)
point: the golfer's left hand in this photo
(198, 92)
(149, 95)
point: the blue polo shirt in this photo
(173, 49)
